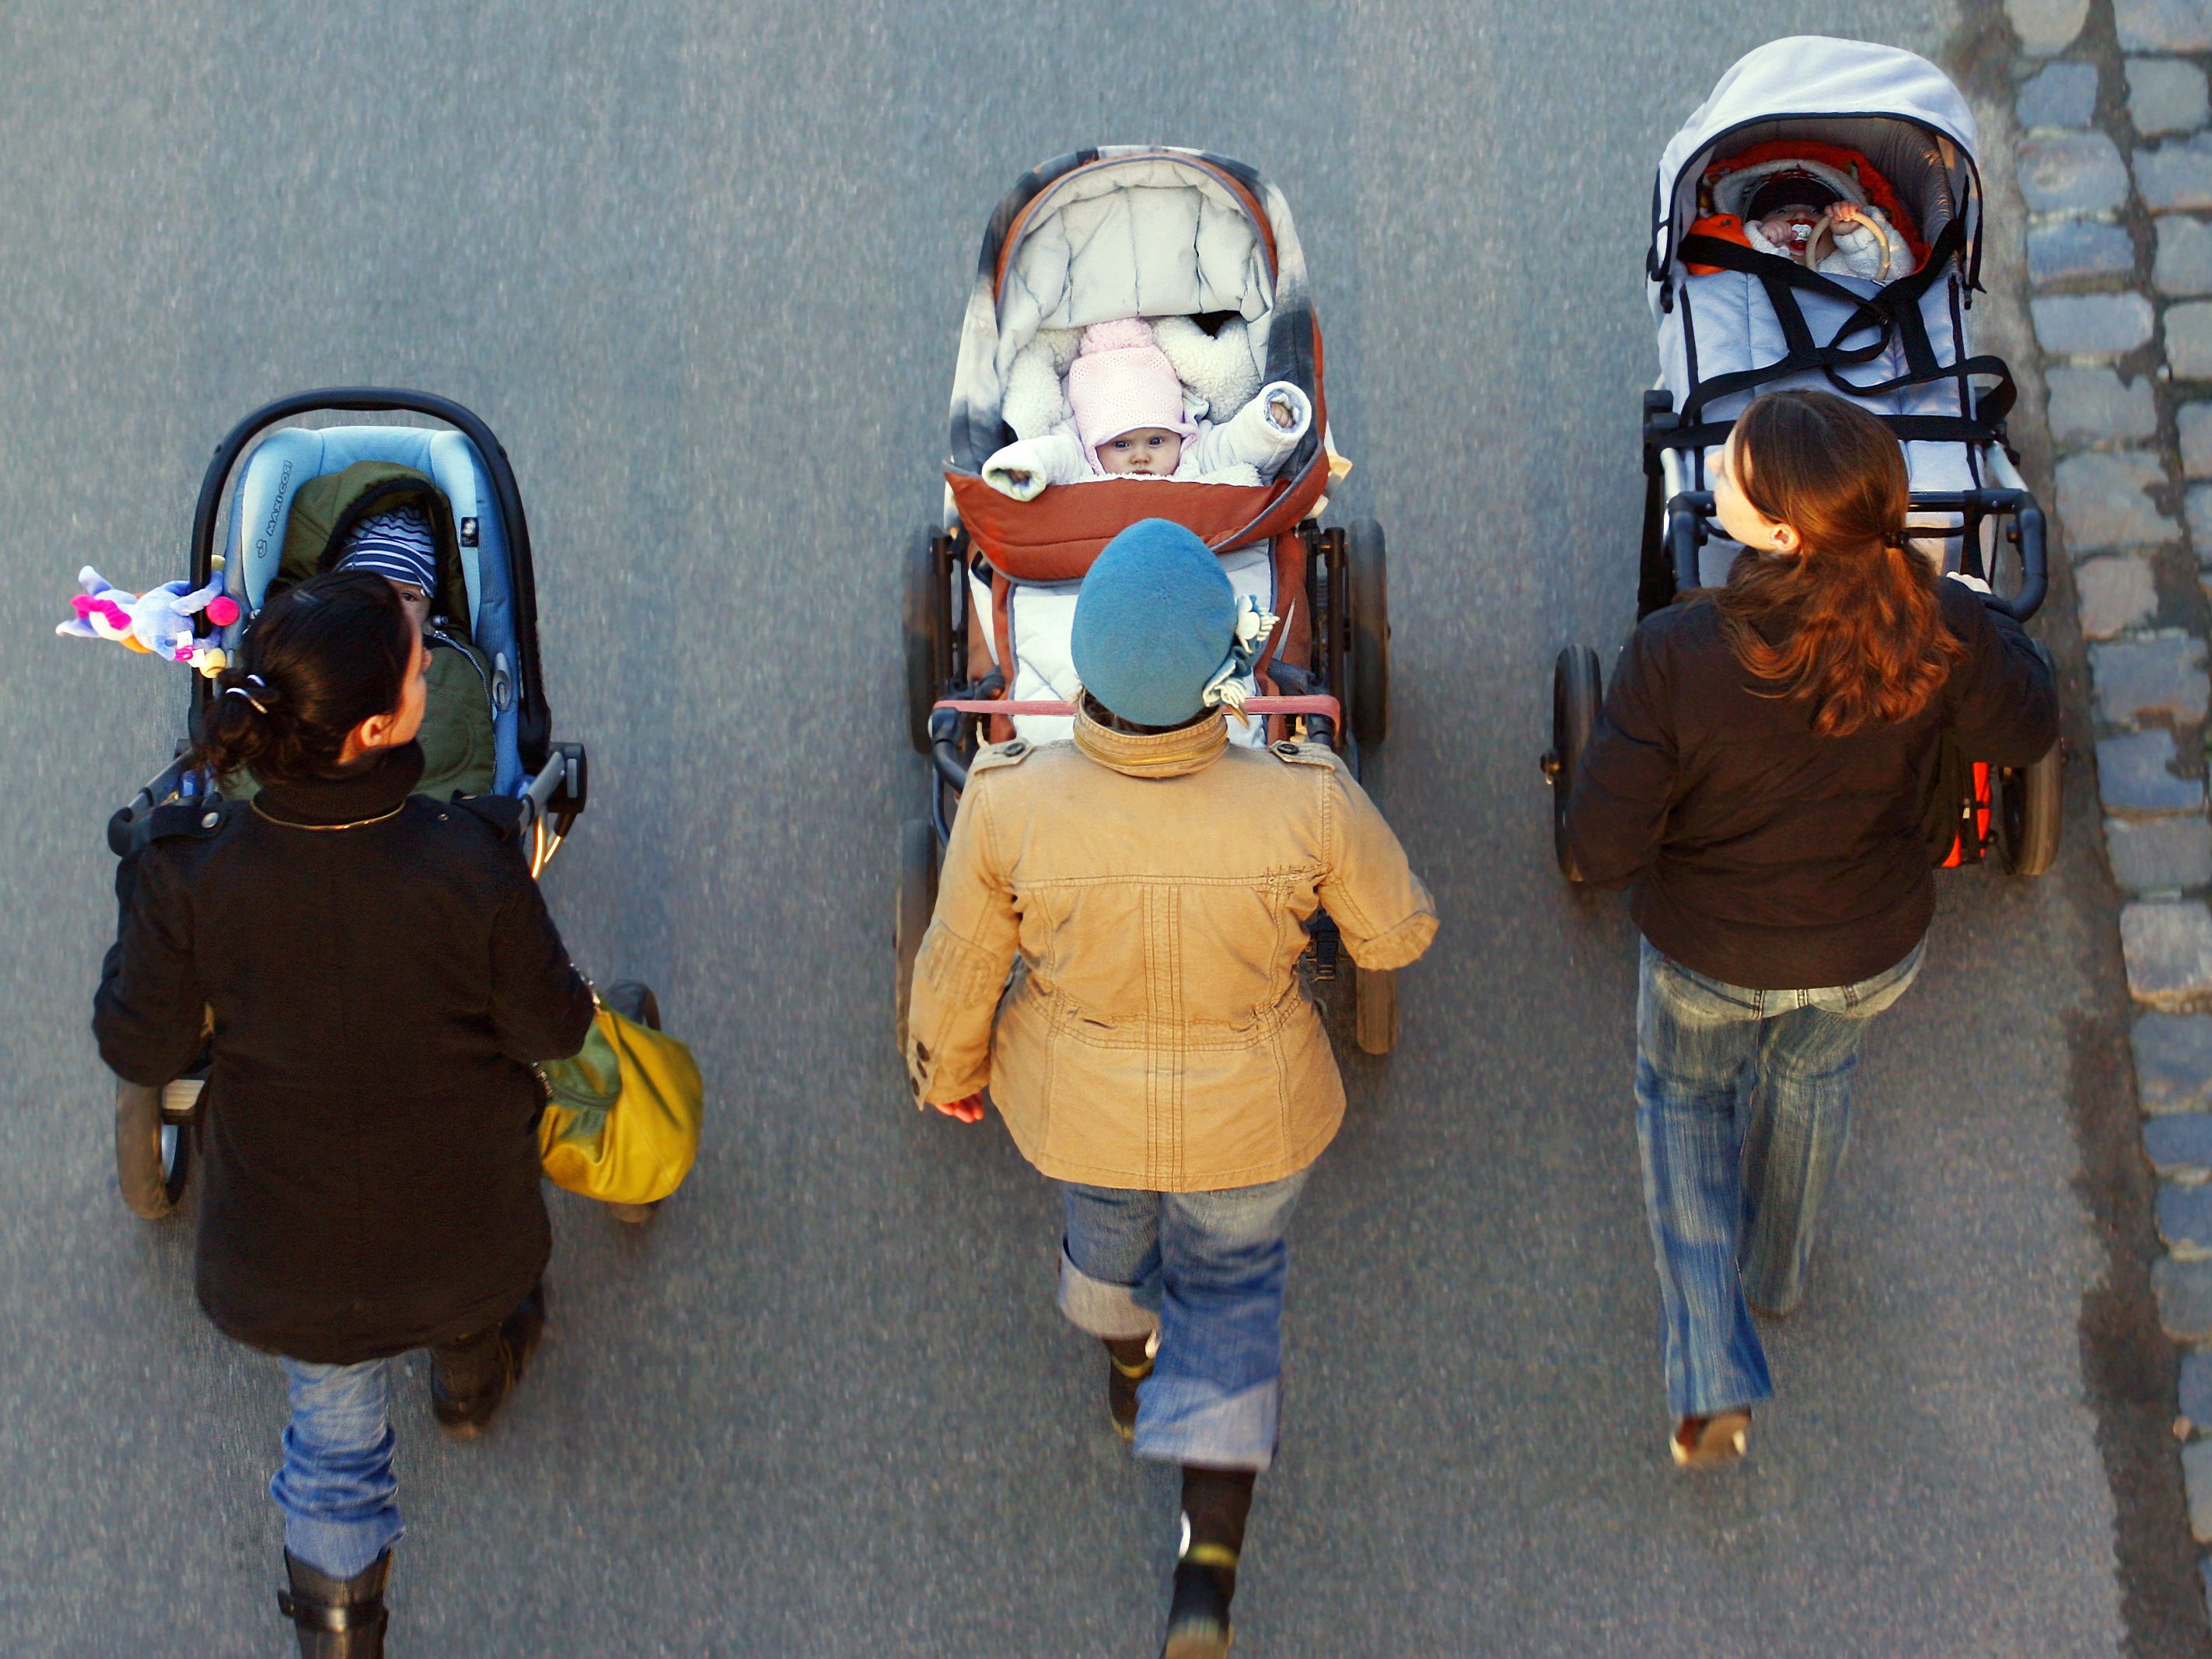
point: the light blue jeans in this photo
(1207, 1271)
(1742, 1108)
(337, 1487)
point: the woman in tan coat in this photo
(1147, 887)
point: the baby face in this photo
(1790, 228)
(415, 601)
(1148, 452)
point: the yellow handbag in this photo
(621, 1118)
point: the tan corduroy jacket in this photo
(1148, 893)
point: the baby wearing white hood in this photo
(1130, 422)
(1817, 217)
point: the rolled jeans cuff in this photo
(1185, 1420)
(1115, 1312)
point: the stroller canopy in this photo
(1892, 106)
(1131, 231)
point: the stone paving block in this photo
(2046, 27)
(2200, 520)
(2173, 1065)
(2072, 173)
(2150, 679)
(2075, 248)
(2196, 1388)
(2160, 853)
(2183, 264)
(2182, 1145)
(2167, 947)
(2162, 25)
(2196, 1478)
(2184, 1220)
(2178, 174)
(2113, 595)
(2061, 95)
(2164, 94)
(2091, 324)
(2135, 776)
(2189, 340)
(2102, 503)
(2094, 406)
(2194, 423)
(2185, 1300)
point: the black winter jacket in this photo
(1757, 852)
(378, 993)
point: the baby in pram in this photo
(1811, 214)
(1130, 417)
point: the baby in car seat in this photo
(1806, 213)
(457, 734)
(1130, 420)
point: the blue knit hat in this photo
(397, 544)
(1154, 622)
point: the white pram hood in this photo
(1885, 102)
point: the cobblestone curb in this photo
(2116, 168)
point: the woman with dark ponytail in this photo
(1759, 780)
(380, 975)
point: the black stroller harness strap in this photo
(1891, 313)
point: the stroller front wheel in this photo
(1368, 570)
(1578, 690)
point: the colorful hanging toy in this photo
(159, 622)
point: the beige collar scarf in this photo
(1152, 754)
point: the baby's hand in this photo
(1019, 479)
(1281, 412)
(1845, 214)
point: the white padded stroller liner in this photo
(1044, 664)
(1914, 127)
(1149, 236)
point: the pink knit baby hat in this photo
(1121, 380)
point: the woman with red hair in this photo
(1758, 780)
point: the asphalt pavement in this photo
(702, 268)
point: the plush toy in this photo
(159, 622)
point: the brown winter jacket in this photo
(1147, 893)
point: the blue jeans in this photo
(1206, 1271)
(1742, 1107)
(337, 1487)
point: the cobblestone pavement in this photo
(2116, 168)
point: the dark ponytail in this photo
(319, 659)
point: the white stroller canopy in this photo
(1891, 106)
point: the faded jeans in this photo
(337, 1488)
(1207, 1271)
(1742, 1108)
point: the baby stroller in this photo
(1100, 234)
(155, 1127)
(1733, 322)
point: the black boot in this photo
(1216, 1503)
(1129, 1362)
(470, 1375)
(337, 1618)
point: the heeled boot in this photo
(337, 1618)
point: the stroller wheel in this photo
(153, 1153)
(1369, 574)
(917, 898)
(1375, 1009)
(1578, 688)
(924, 624)
(2028, 807)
